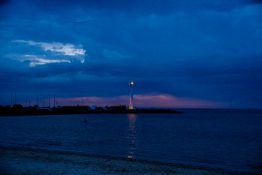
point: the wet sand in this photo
(41, 162)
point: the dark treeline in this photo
(17, 110)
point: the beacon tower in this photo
(131, 95)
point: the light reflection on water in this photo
(131, 135)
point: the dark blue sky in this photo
(180, 53)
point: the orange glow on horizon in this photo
(161, 100)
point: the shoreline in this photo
(71, 110)
(40, 161)
(90, 113)
(62, 114)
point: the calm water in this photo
(230, 139)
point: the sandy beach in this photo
(30, 162)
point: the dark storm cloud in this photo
(3, 11)
(132, 7)
(3, 2)
(202, 49)
(144, 6)
(255, 1)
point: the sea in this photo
(229, 139)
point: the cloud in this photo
(168, 47)
(69, 51)
(161, 100)
(3, 2)
(65, 49)
(35, 61)
(141, 7)
(255, 1)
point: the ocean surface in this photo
(226, 139)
